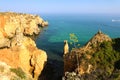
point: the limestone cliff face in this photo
(10, 22)
(18, 50)
(77, 59)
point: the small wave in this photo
(113, 20)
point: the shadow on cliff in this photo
(53, 49)
(54, 67)
(52, 71)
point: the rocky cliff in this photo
(90, 47)
(17, 49)
(96, 60)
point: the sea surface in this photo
(85, 26)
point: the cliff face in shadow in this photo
(98, 59)
(17, 49)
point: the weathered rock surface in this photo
(17, 49)
(9, 73)
(10, 22)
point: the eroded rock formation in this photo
(76, 59)
(17, 49)
(66, 47)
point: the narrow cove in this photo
(51, 39)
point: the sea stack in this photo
(66, 47)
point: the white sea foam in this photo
(113, 20)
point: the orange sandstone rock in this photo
(18, 50)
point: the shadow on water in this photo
(54, 68)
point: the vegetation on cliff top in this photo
(106, 59)
(98, 60)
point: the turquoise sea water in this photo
(84, 26)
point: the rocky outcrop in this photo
(98, 38)
(78, 59)
(9, 23)
(17, 49)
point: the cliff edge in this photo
(17, 49)
(98, 59)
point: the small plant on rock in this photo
(74, 40)
(19, 72)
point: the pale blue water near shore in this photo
(84, 26)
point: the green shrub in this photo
(19, 72)
(105, 57)
(74, 40)
(1, 68)
(116, 44)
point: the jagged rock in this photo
(21, 55)
(98, 38)
(74, 62)
(9, 22)
(19, 50)
(44, 23)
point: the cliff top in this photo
(97, 38)
(99, 57)
(91, 45)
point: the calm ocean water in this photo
(84, 26)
